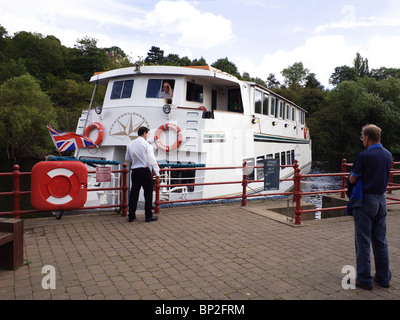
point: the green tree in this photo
(86, 58)
(343, 73)
(336, 126)
(3, 42)
(118, 58)
(41, 55)
(361, 66)
(226, 66)
(199, 62)
(25, 112)
(155, 56)
(11, 68)
(385, 73)
(185, 61)
(172, 60)
(70, 98)
(295, 75)
(272, 82)
(312, 82)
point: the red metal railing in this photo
(16, 193)
(244, 182)
(296, 192)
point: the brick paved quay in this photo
(213, 252)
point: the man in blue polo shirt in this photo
(372, 166)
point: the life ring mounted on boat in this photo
(305, 132)
(99, 127)
(176, 144)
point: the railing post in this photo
(125, 172)
(391, 177)
(343, 194)
(16, 192)
(297, 193)
(244, 184)
(157, 202)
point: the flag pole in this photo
(88, 113)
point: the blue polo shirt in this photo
(373, 167)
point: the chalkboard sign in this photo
(271, 174)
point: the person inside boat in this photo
(166, 91)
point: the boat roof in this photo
(202, 71)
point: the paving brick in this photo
(210, 252)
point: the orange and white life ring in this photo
(99, 127)
(161, 129)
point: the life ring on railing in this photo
(176, 144)
(203, 108)
(58, 185)
(305, 132)
(99, 127)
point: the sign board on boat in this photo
(271, 174)
(103, 174)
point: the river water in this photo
(310, 184)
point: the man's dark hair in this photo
(142, 130)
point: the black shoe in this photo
(363, 285)
(379, 282)
(131, 219)
(155, 218)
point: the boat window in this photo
(122, 89)
(265, 104)
(235, 100)
(250, 171)
(283, 159)
(194, 92)
(260, 171)
(214, 100)
(281, 109)
(288, 107)
(302, 117)
(294, 114)
(155, 88)
(288, 158)
(258, 102)
(273, 101)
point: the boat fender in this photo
(99, 127)
(161, 129)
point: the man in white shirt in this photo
(144, 163)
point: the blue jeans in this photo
(370, 227)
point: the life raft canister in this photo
(161, 129)
(99, 127)
(58, 185)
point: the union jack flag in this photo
(65, 141)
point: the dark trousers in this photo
(370, 228)
(141, 177)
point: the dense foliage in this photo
(43, 82)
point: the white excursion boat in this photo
(212, 120)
